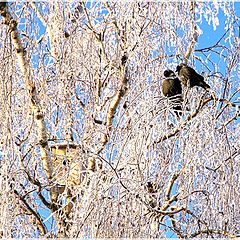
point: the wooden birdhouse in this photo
(68, 166)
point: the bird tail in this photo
(177, 104)
(204, 85)
(178, 110)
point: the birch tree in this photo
(90, 147)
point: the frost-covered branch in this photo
(29, 209)
(98, 94)
(193, 32)
(170, 185)
(52, 38)
(215, 45)
(33, 180)
(36, 108)
(116, 100)
(201, 104)
(212, 231)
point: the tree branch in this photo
(54, 49)
(193, 32)
(206, 49)
(40, 224)
(201, 104)
(212, 231)
(170, 185)
(39, 117)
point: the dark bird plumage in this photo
(189, 77)
(124, 59)
(2, 8)
(171, 85)
(3, 4)
(66, 34)
(172, 89)
(151, 187)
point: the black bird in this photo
(151, 187)
(124, 59)
(189, 77)
(172, 89)
(2, 6)
(171, 85)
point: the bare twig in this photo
(206, 49)
(212, 231)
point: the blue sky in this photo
(207, 39)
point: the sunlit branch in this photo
(207, 231)
(227, 102)
(201, 104)
(174, 211)
(193, 32)
(170, 185)
(235, 117)
(235, 154)
(54, 50)
(114, 104)
(97, 36)
(203, 63)
(39, 117)
(112, 16)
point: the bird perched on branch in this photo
(3, 4)
(151, 187)
(2, 8)
(189, 77)
(172, 89)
